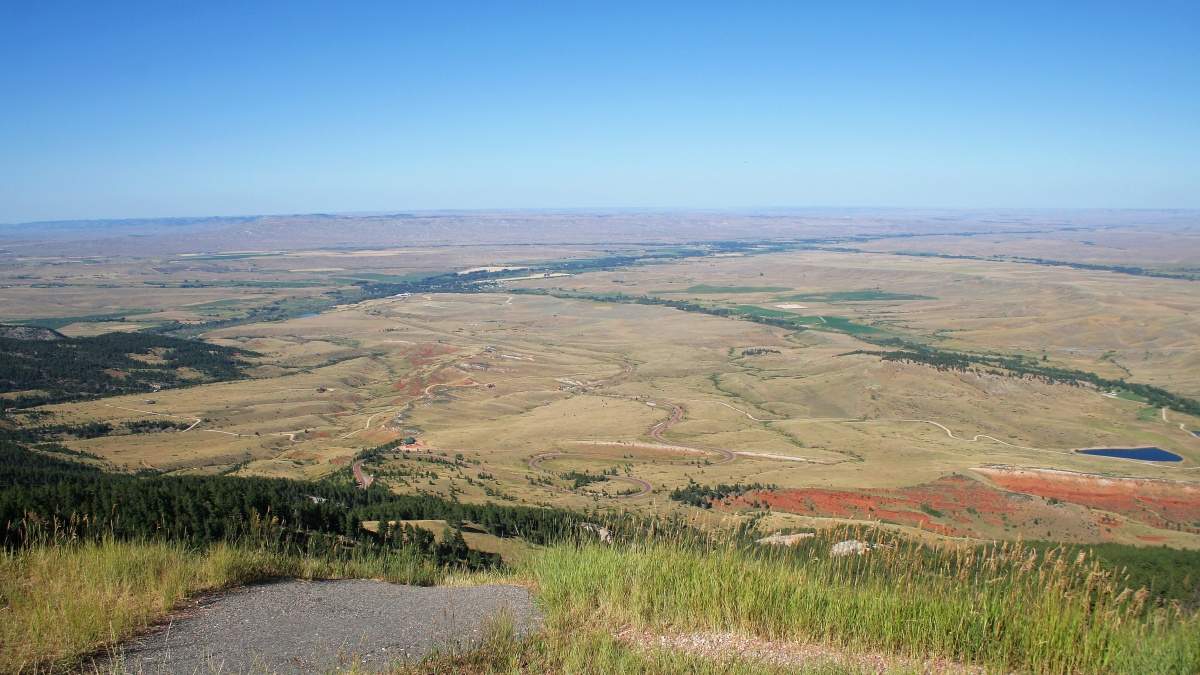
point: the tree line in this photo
(41, 490)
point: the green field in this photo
(705, 289)
(754, 310)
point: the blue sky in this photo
(119, 109)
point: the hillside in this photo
(47, 365)
(29, 333)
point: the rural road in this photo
(645, 487)
(363, 480)
(293, 627)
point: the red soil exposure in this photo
(340, 460)
(951, 496)
(424, 355)
(418, 358)
(1158, 503)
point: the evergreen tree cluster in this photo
(41, 490)
(452, 550)
(703, 496)
(107, 365)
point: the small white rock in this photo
(848, 547)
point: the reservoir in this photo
(1144, 454)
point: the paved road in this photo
(300, 627)
(676, 413)
(363, 480)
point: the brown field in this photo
(496, 378)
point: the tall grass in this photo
(1008, 608)
(61, 601)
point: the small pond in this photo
(302, 316)
(1144, 454)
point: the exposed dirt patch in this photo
(954, 505)
(949, 496)
(728, 647)
(1158, 503)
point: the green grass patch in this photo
(1130, 396)
(836, 323)
(854, 296)
(847, 326)
(705, 289)
(754, 310)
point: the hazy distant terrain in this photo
(191, 235)
(845, 358)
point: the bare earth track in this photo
(364, 480)
(725, 456)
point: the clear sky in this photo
(123, 109)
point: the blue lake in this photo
(307, 315)
(1144, 454)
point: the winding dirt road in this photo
(645, 487)
(724, 455)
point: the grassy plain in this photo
(496, 377)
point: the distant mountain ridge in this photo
(171, 236)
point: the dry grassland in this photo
(496, 376)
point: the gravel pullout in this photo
(294, 627)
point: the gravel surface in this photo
(293, 627)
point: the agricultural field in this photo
(724, 386)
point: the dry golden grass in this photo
(310, 411)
